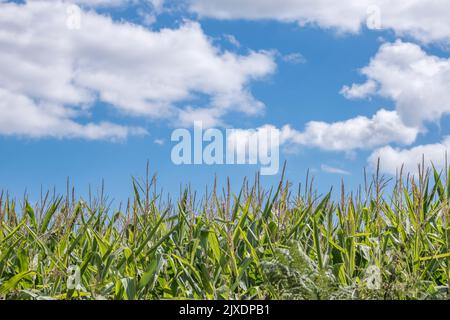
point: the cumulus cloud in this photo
(359, 91)
(19, 115)
(45, 62)
(392, 159)
(253, 142)
(93, 3)
(357, 133)
(427, 21)
(418, 83)
(208, 117)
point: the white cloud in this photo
(360, 133)
(301, 11)
(357, 133)
(392, 159)
(358, 91)
(96, 3)
(150, 10)
(134, 70)
(19, 115)
(333, 170)
(208, 117)
(158, 5)
(232, 40)
(427, 21)
(253, 143)
(93, 3)
(294, 58)
(418, 83)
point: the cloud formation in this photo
(417, 82)
(426, 21)
(359, 133)
(392, 159)
(20, 115)
(61, 63)
(94, 3)
(334, 170)
(419, 86)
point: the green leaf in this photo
(30, 212)
(14, 281)
(49, 214)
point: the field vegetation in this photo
(390, 239)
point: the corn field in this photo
(390, 239)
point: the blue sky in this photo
(297, 71)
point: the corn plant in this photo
(388, 240)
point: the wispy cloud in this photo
(232, 40)
(294, 58)
(334, 170)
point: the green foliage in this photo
(390, 240)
